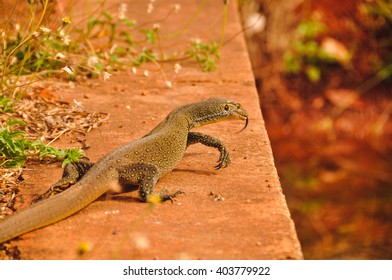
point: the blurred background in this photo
(324, 75)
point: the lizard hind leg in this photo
(145, 176)
(72, 173)
(164, 195)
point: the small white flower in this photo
(68, 70)
(255, 23)
(59, 56)
(66, 40)
(140, 241)
(17, 27)
(106, 76)
(112, 212)
(134, 70)
(177, 67)
(150, 8)
(176, 7)
(92, 60)
(113, 49)
(122, 10)
(168, 84)
(35, 34)
(146, 73)
(196, 40)
(45, 29)
(106, 55)
(156, 26)
(14, 60)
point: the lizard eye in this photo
(226, 107)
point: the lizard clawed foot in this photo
(224, 159)
(53, 190)
(165, 196)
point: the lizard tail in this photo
(47, 211)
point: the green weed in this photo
(205, 54)
(16, 148)
(70, 51)
(305, 54)
(35, 51)
(5, 105)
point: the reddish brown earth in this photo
(252, 222)
(334, 160)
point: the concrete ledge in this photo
(253, 221)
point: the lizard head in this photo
(214, 110)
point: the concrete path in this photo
(252, 222)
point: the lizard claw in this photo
(164, 196)
(224, 160)
(53, 190)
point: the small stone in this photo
(218, 197)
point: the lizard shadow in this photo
(195, 171)
(123, 195)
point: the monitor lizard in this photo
(140, 163)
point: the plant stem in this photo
(24, 41)
(222, 38)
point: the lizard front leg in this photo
(197, 137)
(145, 176)
(72, 173)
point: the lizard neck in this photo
(212, 110)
